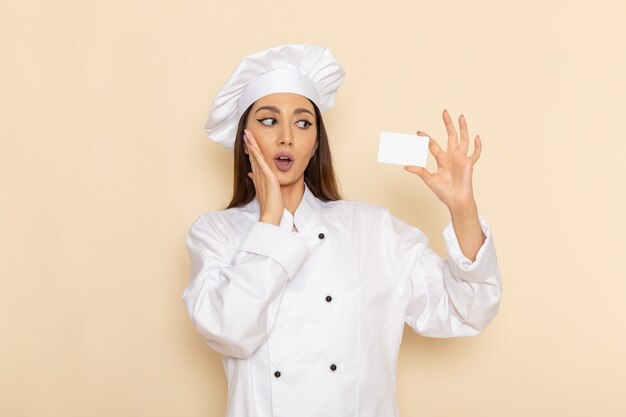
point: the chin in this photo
(285, 179)
(286, 182)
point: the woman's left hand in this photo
(452, 182)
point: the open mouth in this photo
(283, 161)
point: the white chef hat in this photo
(311, 71)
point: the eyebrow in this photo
(277, 110)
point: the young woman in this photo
(303, 294)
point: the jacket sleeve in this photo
(234, 293)
(445, 298)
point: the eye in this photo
(268, 121)
(304, 124)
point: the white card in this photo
(401, 149)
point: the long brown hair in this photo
(319, 175)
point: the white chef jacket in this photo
(309, 323)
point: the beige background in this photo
(103, 167)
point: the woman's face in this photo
(284, 127)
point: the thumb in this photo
(419, 171)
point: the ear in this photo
(245, 148)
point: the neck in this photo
(292, 195)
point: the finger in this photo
(254, 174)
(453, 142)
(251, 156)
(254, 149)
(257, 170)
(433, 146)
(435, 149)
(262, 166)
(260, 172)
(245, 143)
(478, 147)
(249, 138)
(420, 172)
(464, 142)
(246, 147)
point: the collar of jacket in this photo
(307, 217)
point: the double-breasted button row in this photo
(333, 368)
(328, 297)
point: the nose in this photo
(286, 136)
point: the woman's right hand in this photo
(265, 183)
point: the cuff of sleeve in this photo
(276, 243)
(485, 264)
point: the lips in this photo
(283, 161)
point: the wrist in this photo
(271, 219)
(466, 210)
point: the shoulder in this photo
(375, 220)
(228, 217)
(221, 225)
(356, 210)
(354, 206)
(213, 218)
